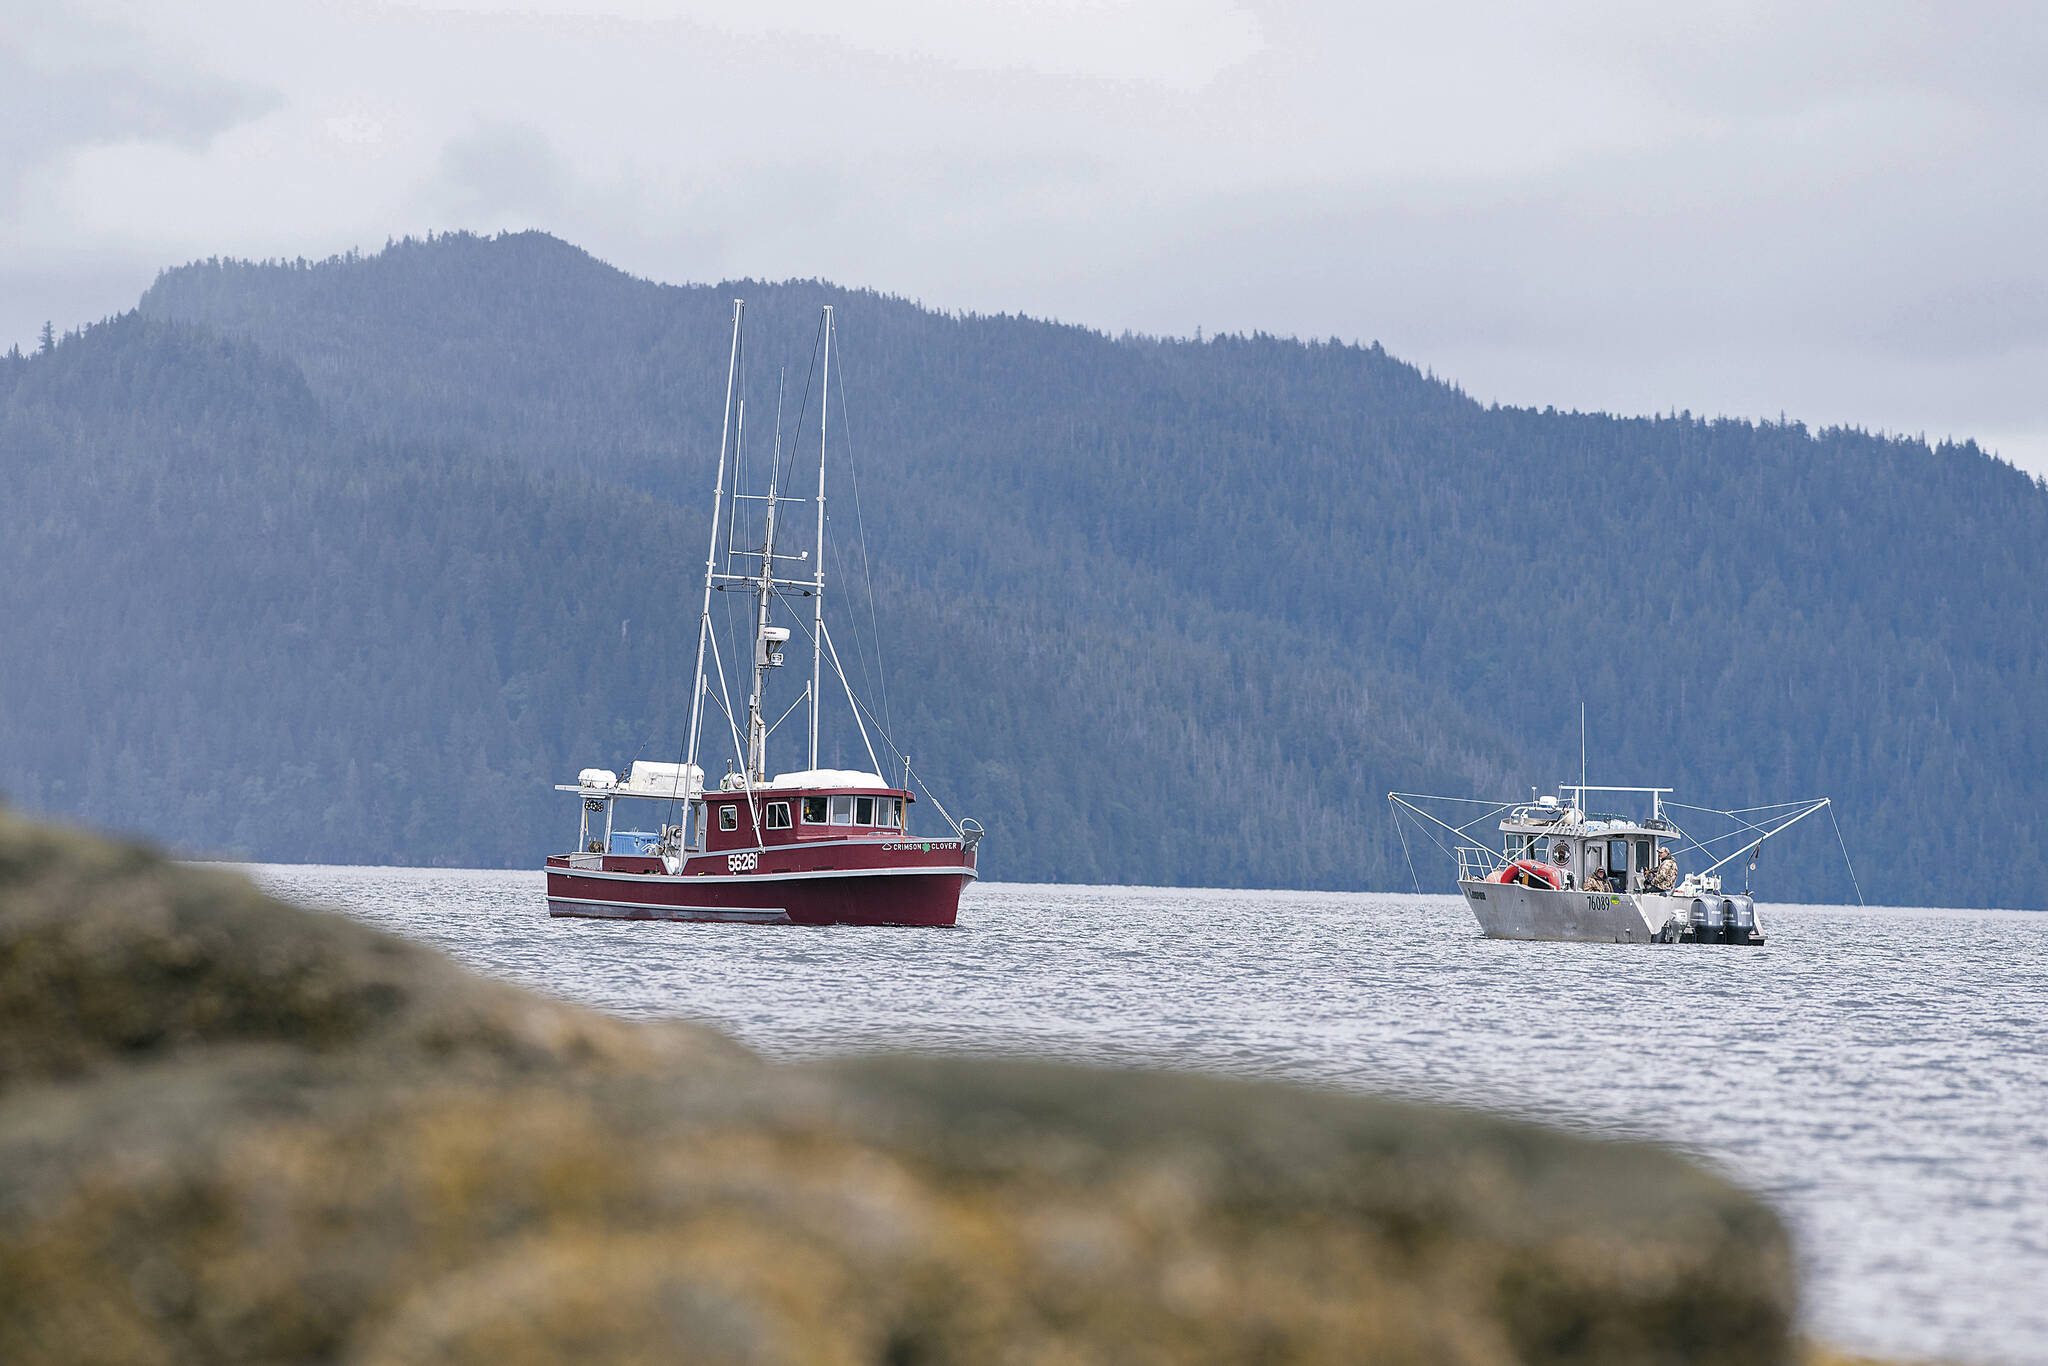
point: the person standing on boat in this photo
(1664, 876)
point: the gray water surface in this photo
(1881, 1076)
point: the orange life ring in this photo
(1528, 873)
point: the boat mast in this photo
(766, 655)
(818, 579)
(711, 555)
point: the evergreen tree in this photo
(329, 563)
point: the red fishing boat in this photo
(815, 846)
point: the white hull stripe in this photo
(606, 909)
(733, 879)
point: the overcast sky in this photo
(1834, 211)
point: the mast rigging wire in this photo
(1404, 852)
(861, 529)
(859, 651)
(896, 751)
(1845, 854)
(796, 440)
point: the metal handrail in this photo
(1476, 862)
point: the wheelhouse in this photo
(802, 808)
(809, 807)
(1621, 850)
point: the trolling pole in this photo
(711, 554)
(766, 656)
(1822, 805)
(818, 582)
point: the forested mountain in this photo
(351, 560)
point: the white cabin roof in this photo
(1569, 820)
(828, 777)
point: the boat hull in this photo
(1512, 911)
(895, 896)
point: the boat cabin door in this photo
(1611, 856)
(597, 815)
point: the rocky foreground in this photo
(236, 1131)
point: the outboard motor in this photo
(1698, 916)
(1708, 920)
(1730, 913)
(1741, 921)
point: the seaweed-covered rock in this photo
(233, 1130)
(110, 955)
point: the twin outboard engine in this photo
(1706, 920)
(1724, 920)
(1738, 921)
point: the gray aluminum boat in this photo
(1562, 872)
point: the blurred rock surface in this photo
(233, 1130)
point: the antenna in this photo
(1582, 751)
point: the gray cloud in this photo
(1825, 208)
(1974, 320)
(1735, 61)
(67, 83)
(501, 171)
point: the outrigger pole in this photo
(1818, 805)
(1407, 800)
(818, 580)
(711, 555)
(765, 654)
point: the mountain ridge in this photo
(1265, 580)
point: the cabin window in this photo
(814, 811)
(1642, 856)
(842, 811)
(863, 810)
(1617, 856)
(778, 815)
(729, 816)
(893, 818)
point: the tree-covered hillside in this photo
(395, 542)
(254, 630)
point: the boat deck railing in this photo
(1476, 862)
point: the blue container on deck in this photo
(636, 842)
